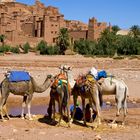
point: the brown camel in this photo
(87, 89)
(60, 92)
(23, 88)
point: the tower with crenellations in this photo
(95, 29)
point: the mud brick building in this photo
(23, 23)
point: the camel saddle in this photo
(90, 78)
(85, 81)
(17, 76)
(60, 79)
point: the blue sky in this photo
(124, 13)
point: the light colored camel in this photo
(117, 87)
(87, 90)
(23, 88)
(61, 93)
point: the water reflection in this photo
(42, 109)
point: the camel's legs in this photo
(29, 105)
(117, 115)
(61, 112)
(124, 111)
(125, 105)
(49, 110)
(121, 97)
(59, 105)
(119, 105)
(53, 104)
(3, 103)
(83, 107)
(68, 109)
(6, 112)
(124, 118)
(91, 110)
(121, 102)
(1, 108)
(23, 106)
(74, 110)
(68, 114)
(97, 106)
(1, 113)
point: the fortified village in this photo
(22, 23)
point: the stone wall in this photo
(78, 35)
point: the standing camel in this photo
(113, 86)
(60, 92)
(87, 89)
(23, 88)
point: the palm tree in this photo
(63, 40)
(135, 29)
(115, 28)
(108, 42)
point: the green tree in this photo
(135, 30)
(128, 45)
(107, 42)
(63, 40)
(115, 28)
(85, 47)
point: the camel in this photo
(62, 96)
(22, 88)
(87, 89)
(117, 87)
(61, 93)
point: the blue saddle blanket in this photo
(101, 74)
(17, 76)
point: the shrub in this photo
(15, 49)
(53, 50)
(42, 47)
(5, 48)
(1, 49)
(26, 47)
(85, 47)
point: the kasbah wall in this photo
(22, 23)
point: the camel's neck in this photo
(70, 78)
(41, 88)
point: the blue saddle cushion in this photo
(17, 76)
(101, 74)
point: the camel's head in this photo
(51, 77)
(65, 68)
(7, 74)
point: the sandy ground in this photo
(40, 128)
